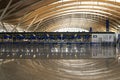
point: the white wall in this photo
(103, 37)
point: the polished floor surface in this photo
(79, 69)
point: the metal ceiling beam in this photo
(20, 22)
(10, 11)
(38, 25)
(13, 27)
(5, 10)
(33, 7)
(3, 26)
(61, 13)
(56, 9)
(51, 7)
(32, 22)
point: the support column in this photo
(90, 29)
(107, 25)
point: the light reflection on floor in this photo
(79, 69)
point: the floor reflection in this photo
(79, 69)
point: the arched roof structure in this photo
(49, 15)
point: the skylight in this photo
(71, 30)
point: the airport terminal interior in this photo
(59, 39)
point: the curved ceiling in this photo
(49, 15)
